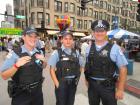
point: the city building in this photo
(8, 20)
(49, 10)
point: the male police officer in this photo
(65, 65)
(103, 61)
(24, 65)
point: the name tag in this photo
(65, 59)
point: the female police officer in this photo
(103, 61)
(65, 70)
(24, 65)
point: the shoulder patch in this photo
(120, 52)
(54, 52)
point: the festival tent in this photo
(89, 37)
(121, 33)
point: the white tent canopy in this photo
(119, 33)
(89, 37)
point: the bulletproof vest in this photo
(99, 63)
(68, 65)
(30, 72)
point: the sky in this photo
(3, 8)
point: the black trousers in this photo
(65, 93)
(29, 98)
(97, 92)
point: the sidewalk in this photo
(132, 89)
(133, 81)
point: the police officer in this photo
(24, 65)
(103, 62)
(65, 63)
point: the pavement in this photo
(131, 95)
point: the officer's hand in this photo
(40, 57)
(23, 60)
(86, 82)
(57, 85)
(119, 94)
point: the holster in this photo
(110, 81)
(12, 88)
(15, 89)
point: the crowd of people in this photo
(102, 62)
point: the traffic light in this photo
(5, 13)
(138, 11)
(42, 24)
(83, 4)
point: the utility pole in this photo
(43, 21)
(26, 13)
(44, 13)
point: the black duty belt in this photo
(74, 80)
(31, 86)
(107, 82)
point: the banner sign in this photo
(10, 31)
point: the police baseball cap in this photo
(29, 30)
(100, 25)
(65, 33)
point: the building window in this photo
(55, 17)
(29, 8)
(66, 7)
(72, 8)
(104, 5)
(79, 23)
(100, 15)
(104, 15)
(79, 11)
(90, 12)
(47, 19)
(22, 12)
(22, 2)
(95, 15)
(96, 3)
(16, 2)
(72, 21)
(32, 3)
(86, 12)
(113, 9)
(58, 6)
(109, 8)
(32, 17)
(101, 4)
(89, 24)
(39, 17)
(117, 10)
(47, 4)
(85, 24)
(108, 18)
(16, 12)
(40, 3)
(91, 2)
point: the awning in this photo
(50, 32)
(78, 34)
(121, 33)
